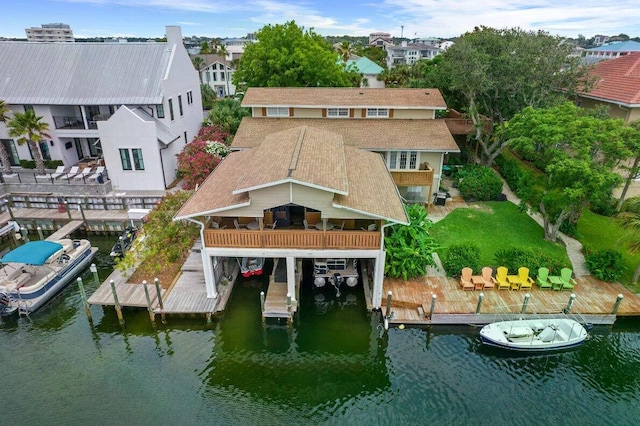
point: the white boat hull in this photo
(534, 335)
(29, 298)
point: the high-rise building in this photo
(50, 32)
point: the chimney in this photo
(174, 35)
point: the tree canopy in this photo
(577, 153)
(227, 114)
(288, 56)
(496, 73)
(29, 128)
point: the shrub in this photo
(515, 257)
(606, 265)
(53, 164)
(462, 256)
(479, 183)
(28, 164)
(198, 158)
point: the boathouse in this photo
(299, 193)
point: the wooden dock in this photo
(276, 301)
(411, 301)
(66, 230)
(128, 294)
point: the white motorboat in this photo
(534, 335)
(35, 271)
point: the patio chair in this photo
(273, 225)
(59, 172)
(84, 174)
(216, 225)
(542, 280)
(98, 173)
(501, 278)
(526, 282)
(487, 277)
(237, 225)
(72, 172)
(465, 279)
(305, 223)
(567, 282)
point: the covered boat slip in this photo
(279, 302)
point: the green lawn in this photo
(597, 232)
(492, 226)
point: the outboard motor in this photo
(336, 281)
(4, 302)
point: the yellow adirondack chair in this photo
(526, 282)
(501, 278)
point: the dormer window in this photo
(338, 112)
(377, 112)
(277, 111)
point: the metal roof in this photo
(82, 73)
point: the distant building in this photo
(216, 72)
(51, 33)
(408, 54)
(369, 70)
(380, 39)
(600, 39)
(613, 50)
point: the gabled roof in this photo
(624, 46)
(165, 135)
(359, 179)
(292, 156)
(370, 134)
(618, 81)
(365, 65)
(210, 59)
(352, 97)
(82, 73)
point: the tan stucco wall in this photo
(615, 111)
(416, 114)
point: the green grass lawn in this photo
(493, 226)
(597, 232)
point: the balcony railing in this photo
(412, 177)
(68, 122)
(294, 238)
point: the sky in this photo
(236, 18)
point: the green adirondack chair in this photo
(567, 282)
(542, 280)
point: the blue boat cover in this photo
(32, 253)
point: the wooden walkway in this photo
(65, 230)
(275, 304)
(594, 300)
(128, 294)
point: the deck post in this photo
(40, 234)
(262, 298)
(117, 303)
(156, 282)
(291, 276)
(289, 302)
(25, 237)
(389, 297)
(152, 314)
(434, 297)
(479, 305)
(94, 270)
(572, 299)
(66, 206)
(83, 296)
(525, 303)
(84, 219)
(617, 304)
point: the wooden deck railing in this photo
(412, 177)
(295, 238)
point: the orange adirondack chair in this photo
(487, 277)
(465, 279)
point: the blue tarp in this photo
(32, 253)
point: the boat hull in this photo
(30, 301)
(534, 335)
(251, 266)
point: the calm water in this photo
(335, 366)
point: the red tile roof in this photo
(618, 80)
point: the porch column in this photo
(291, 277)
(209, 281)
(85, 120)
(378, 279)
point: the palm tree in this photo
(205, 48)
(29, 128)
(223, 52)
(197, 63)
(4, 157)
(345, 50)
(630, 220)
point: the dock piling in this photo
(157, 284)
(40, 234)
(617, 304)
(433, 305)
(152, 314)
(525, 303)
(117, 303)
(262, 299)
(479, 305)
(572, 299)
(94, 270)
(389, 297)
(289, 302)
(83, 296)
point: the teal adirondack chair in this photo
(567, 282)
(542, 279)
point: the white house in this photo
(80, 90)
(217, 72)
(408, 54)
